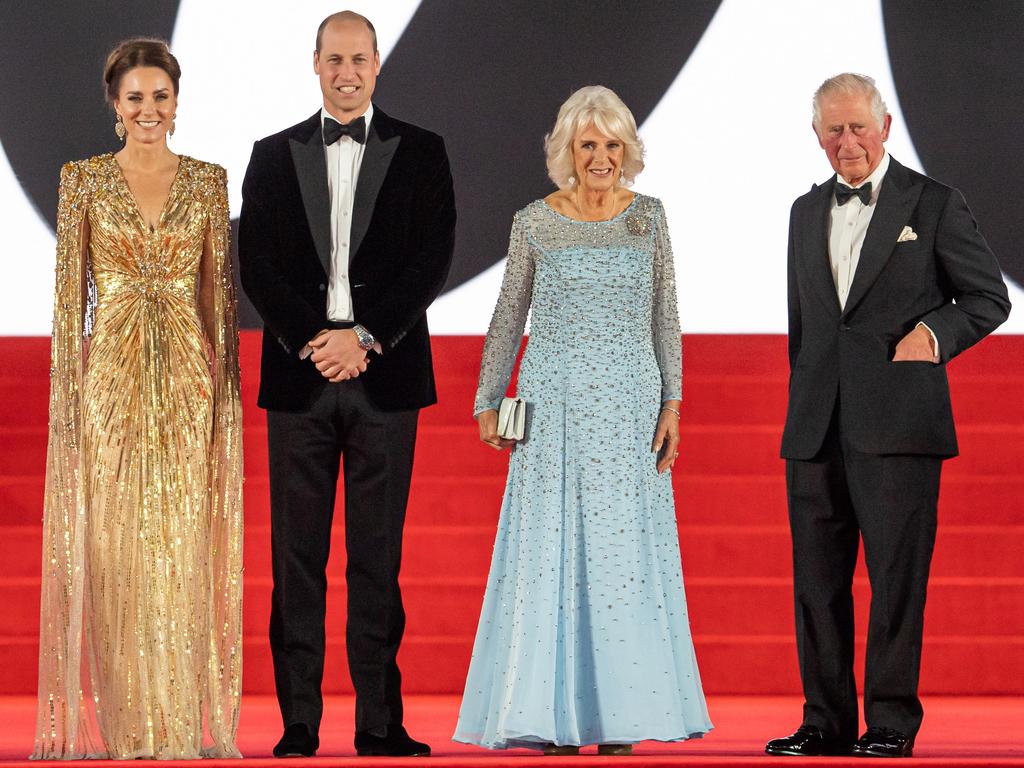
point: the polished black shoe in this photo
(883, 742)
(394, 743)
(298, 741)
(809, 741)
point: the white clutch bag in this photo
(512, 418)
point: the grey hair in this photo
(850, 83)
(601, 107)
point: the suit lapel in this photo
(816, 247)
(381, 143)
(311, 170)
(895, 204)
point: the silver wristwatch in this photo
(366, 340)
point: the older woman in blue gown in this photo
(584, 636)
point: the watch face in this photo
(366, 340)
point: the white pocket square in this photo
(906, 235)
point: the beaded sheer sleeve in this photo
(62, 727)
(505, 333)
(224, 663)
(668, 346)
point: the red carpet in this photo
(967, 731)
(731, 507)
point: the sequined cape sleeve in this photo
(225, 658)
(505, 333)
(62, 729)
(668, 346)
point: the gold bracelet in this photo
(667, 408)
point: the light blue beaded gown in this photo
(583, 635)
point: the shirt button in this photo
(849, 224)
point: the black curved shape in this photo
(51, 80)
(490, 77)
(959, 71)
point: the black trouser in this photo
(305, 450)
(835, 499)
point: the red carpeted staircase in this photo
(730, 497)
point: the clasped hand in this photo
(488, 423)
(338, 356)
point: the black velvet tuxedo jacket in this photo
(403, 236)
(947, 278)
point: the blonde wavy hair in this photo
(601, 107)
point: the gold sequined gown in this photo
(140, 631)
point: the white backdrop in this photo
(738, 115)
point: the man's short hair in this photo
(345, 16)
(850, 83)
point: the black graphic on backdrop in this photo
(959, 73)
(488, 76)
(51, 82)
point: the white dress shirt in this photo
(344, 158)
(848, 224)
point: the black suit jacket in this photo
(403, 236)
(946, 278)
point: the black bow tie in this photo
(333, 130)
(844, 193)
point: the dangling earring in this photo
(171, 132)
(572, 180)
(119, 128)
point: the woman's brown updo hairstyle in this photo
(138, 52)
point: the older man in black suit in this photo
(889, 279)
(346, 237)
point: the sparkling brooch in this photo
(638, 224)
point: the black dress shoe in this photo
(809, 741)
(394, 743)
(298, 741)
(883, 742)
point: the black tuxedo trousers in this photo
(837, 499)
(375, 448)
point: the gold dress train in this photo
(142, 523)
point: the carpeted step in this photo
(748, 664)
(708, 399)
(700, 499)
(719, 605)
(447, 551)
(715, 449)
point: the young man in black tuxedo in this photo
(889, 279)
(346, 237)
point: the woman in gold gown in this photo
(140, 633)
